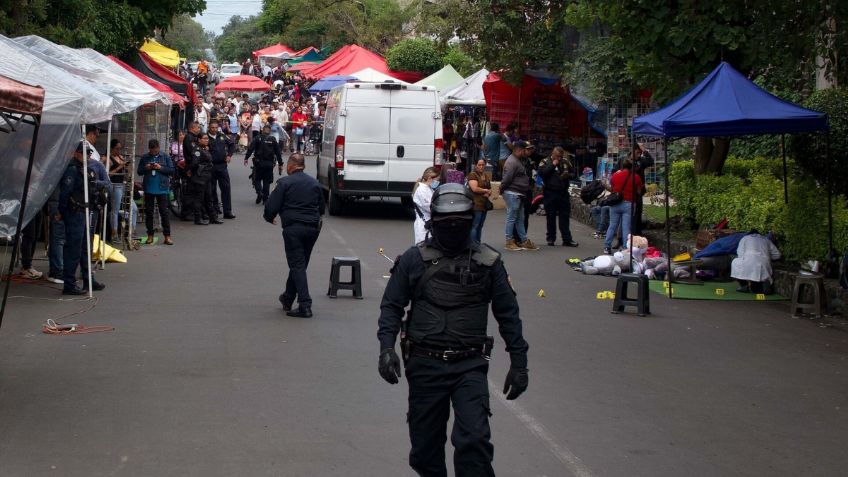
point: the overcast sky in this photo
(218, 12)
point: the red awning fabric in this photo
(170, 93)
(304, 66)
(298, 54)
(408, 76)
(543, 110)
(165, 76)
(242, 83)
(273, 50)
(20, 98)
(348, 60)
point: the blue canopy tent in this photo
(723, 104)
(330, 82)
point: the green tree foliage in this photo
(188, 37)
(461, 62)
(670, 44)
(109, 27)
(512, 36)
(239, 39)
(414, 55)
(810, 150)
(373, 24)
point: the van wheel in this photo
(334, 203)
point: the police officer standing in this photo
(299, 201)
(450, 281)
(266, 150)
(72, 210)
(199, 191)
(222, 148)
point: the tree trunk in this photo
(710, 154)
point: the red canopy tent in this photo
(304, 66)
(150, 68)
(243, 83)
(173, 96)
(273, 50)
(298, 54)
(542, 109)
(349, 59)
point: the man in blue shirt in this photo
(494, 145)
(157, 169)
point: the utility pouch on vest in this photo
(488, 345)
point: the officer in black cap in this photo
(267, 152)
(450, 282)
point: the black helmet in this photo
(452, 199)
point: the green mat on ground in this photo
(710, 291)
(155, 240)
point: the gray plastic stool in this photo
(355, 284)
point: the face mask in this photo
(434, 185)
(452, 236)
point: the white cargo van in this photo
(378, 139)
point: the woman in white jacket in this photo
(421, 199)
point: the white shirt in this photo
(257, 122)
(755, 254)
(421, 198)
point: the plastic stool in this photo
(356, 277)
(816, 285)
(642, 302)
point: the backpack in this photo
(591, 191)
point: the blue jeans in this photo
(118, 191)
(601, 216)
(515, 216)
(620, 214)
(477, 226)
(57, 241)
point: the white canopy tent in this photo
(469, 92)
(140, 89)
(374, 76)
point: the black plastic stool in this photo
(356, 277)
(642, 302)
(816, 307)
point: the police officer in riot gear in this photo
(450, 282)
(266, 150)
(72, 210)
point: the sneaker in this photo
(598, 235)
(31, 274)
(607, 251)
(97, 286)
(528, 245)
(569, 243)
(551, 243)
(511, 245)
(55, 280)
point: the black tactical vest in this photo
(452, 299)
(265, 151)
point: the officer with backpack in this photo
(266, 151)
(451, 282)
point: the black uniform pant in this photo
(262, 179)
(433, 386)
(74, 252)
(29, 237)
(151, 202)
(558, 206)
(199, 199)
(221, 180)
(299, 239)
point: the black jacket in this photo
(266, 149)
(556, 177)
(220, 146)
(297, 198)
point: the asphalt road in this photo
(206, 376)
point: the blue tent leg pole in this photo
(785, 174)
(668, 219)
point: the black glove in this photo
(389, 366)
(516, 383)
